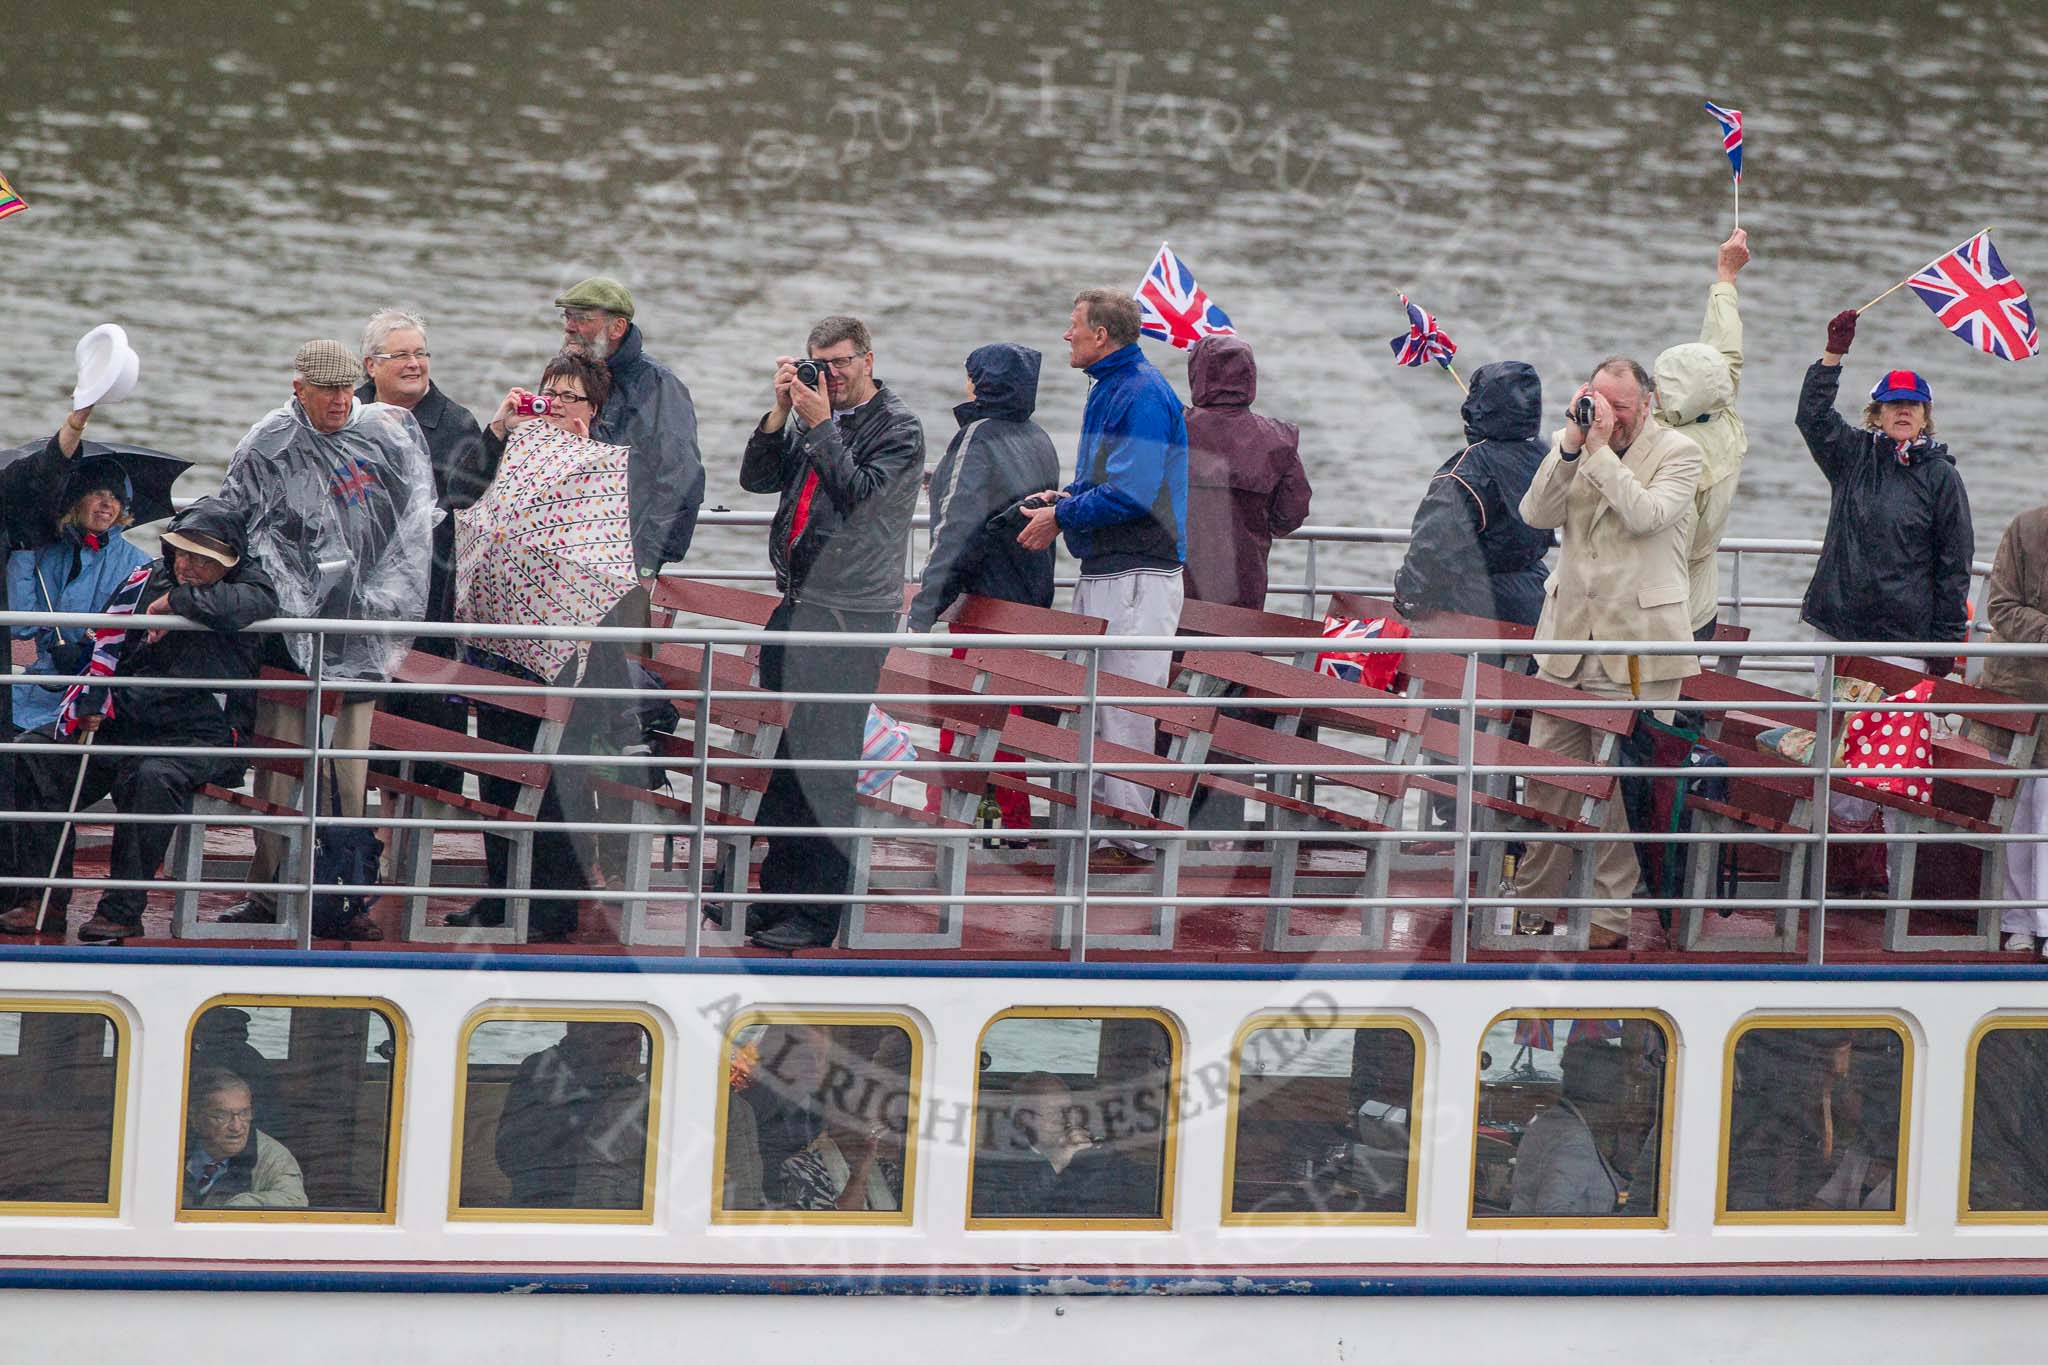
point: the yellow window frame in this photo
(1283, 1019)
(110, 1207)
(394, 1125)
(1964, 1213)
(902, 1217)
(458, 1212)
(1169, 1153)
(1666, 1120)
(1893, 1217)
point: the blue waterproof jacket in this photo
(1128, 504)
(71, 573)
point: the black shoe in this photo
(482, 915)
(553, 933)
(250, 911)
(354, 929)
(791, 935)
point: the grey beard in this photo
(599, 351)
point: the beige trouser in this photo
(1544, 866)
(288, 723)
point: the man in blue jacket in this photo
(1124, 515)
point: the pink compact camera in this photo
(533, 405)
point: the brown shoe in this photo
(1601, 937)
(1118, 859)
(355, 929)
(22, 920)
(100, 929)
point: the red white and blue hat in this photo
(1901, 386)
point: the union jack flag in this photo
(1731, 134)
(1597, 1029)
(82, 699)
(353, 481)
(1367, 669)
(1977, 298)
(1535, 1033)
(1424, 340)
(1173, 308)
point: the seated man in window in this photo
(1050, 1166)
(573, 1133)
(1564, 1166)
(229, 1162)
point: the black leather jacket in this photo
(869, 463)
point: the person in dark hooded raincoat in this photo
(998, 457)
(207, 576)
(1246, 484)
(1469, 550)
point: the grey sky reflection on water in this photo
(1540, 177)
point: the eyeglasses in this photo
(401, 355)
(839, 364)
(564, 396)
(579, 316)
(221, 1118)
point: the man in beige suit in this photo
(1620, 493)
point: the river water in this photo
(228, 181)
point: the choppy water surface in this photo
(228, 181)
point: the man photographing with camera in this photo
(1618, 489)
(846, 458)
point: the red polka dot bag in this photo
(1877, 740)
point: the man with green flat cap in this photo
(650, 412)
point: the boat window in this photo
(815, 1118)
(1814, 1124)
(1574, 1119)
(557, 1116)
(291, 1110)
(1323, 1121)
(63, 1086)
(2005, 1160)
(1073, 1119)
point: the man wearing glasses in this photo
(230, 1163)
(396, 363)
(649, 411)
(847, 469)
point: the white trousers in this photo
(1140, 602)
(2026, 865)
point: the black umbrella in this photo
(150, 472)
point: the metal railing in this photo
(1317, 581)
(1315, 806)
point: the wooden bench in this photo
(1188, 730)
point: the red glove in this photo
(1842, 331)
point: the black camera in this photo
(1581, 411)
(811, 374)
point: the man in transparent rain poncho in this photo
(338, 497)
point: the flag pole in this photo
(57, 861)
(1900, 285)
(1453, 369)
(1738, 203)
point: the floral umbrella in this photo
(549, 544)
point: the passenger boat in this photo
(1306, 1097)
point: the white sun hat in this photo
(107, 367)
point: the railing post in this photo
(1084, 801)
(1735, 588)
(700, 735)
(1823, 753)
(1461, 865)
(1308, 581)
(309, 789)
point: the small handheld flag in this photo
(1173, 308)
(1731, 134)
(10, 202)
(1424, 341)
(1977, 298)
(1731, 143)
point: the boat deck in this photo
(1206, 932)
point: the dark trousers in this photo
(142, 784)
(557, 865)
(818, 864)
